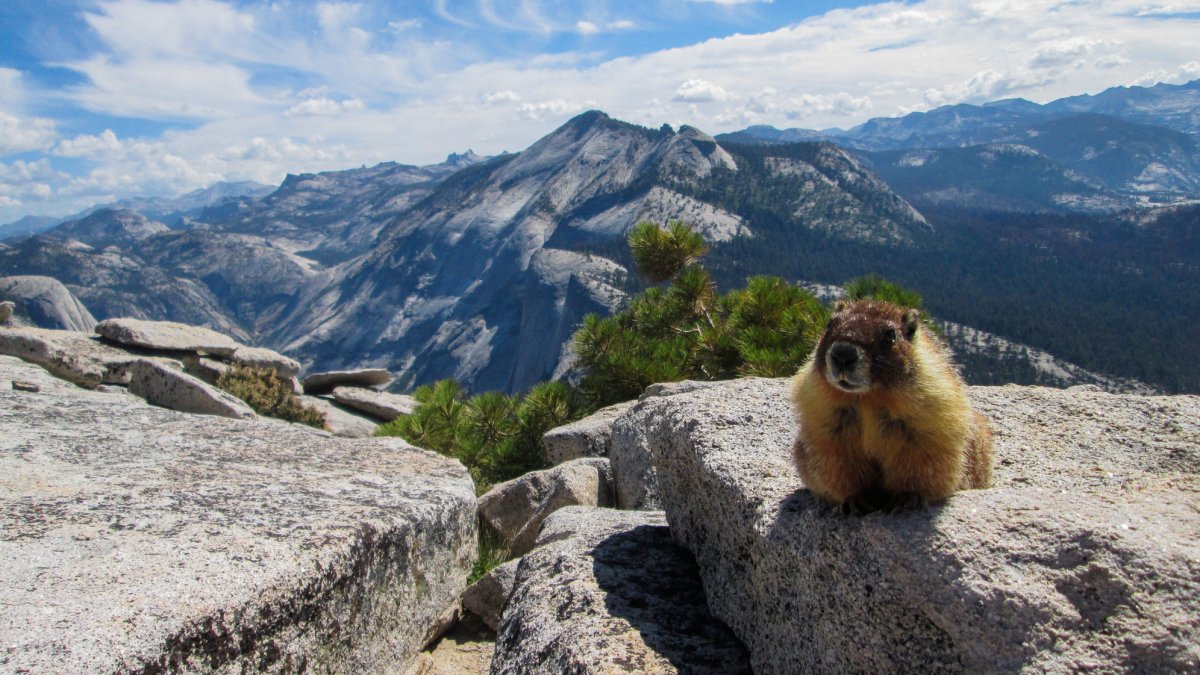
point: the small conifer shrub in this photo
(268, 394)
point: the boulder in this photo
(587, 437)
(76, 357)
(166, 336)
(1081, 557)
(259, 357)
(380, 404)
(45, 303)
(163, 386)
(139, 539)
(660, 389)
(608, 591)
(516, 508)
(207, 369)
(339, 421)
(323, 383)
(634, 476)
(486, 597)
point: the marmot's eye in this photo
(889, 337)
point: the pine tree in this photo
(687, 330)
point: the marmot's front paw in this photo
(868, 501)
(904, 501)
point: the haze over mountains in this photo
(481, 268)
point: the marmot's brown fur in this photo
(884, 419)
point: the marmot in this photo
(884, 419)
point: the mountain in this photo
(113, 283)
(1174, 106)
(333, 216)
(172, 211)
(27, 226)
(1104, 152)
(481, 269)
(108, 227)
(1001, 176)
(487, 277)
(175, 211)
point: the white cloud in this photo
(86, 145)
(1064, 52)
(1184, 73)
(322, 107)
(699, 91)
(352, 97)
(23, 134)
(506, 96)
(586, 27)
(555, 107)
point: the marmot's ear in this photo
(912, 319)
(840, 305)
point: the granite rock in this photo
(516, 508)
(634, 475)
(139, 539)
(208, 369)
(76, 357)
(339, 421)
(608, 591)
(166, 336)
(323, 383)
(588, 437)
(163, 386)
(259, 357)
(485, 598)
(380, 404)
(1082, 556)
(44, 302)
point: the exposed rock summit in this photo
(138, 539)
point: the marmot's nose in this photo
(843, 356)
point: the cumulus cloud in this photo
(89, 145)
(1184, 73)
(323, 107)
(506, 96)
(699, 91)
(350, 96)
(23, 134)
(555, 107)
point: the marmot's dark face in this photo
(868, 344)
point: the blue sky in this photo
(107, 99)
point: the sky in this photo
(108, 99)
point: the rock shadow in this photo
(655, 585)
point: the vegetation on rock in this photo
(497, 437)
(269, 395)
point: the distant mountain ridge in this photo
(1122, 147)
(171, 211)
(481, 268)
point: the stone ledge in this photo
(1084, 555)
(138, 538)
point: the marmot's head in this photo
(867, 344)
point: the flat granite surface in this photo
(137, 538)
